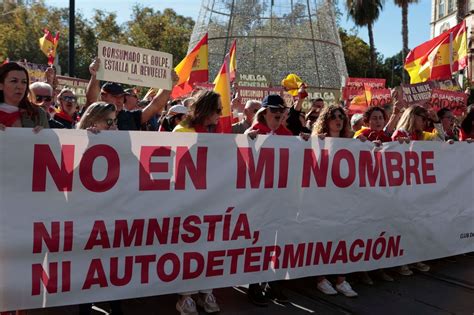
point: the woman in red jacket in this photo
(270, 119)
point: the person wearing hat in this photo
(131, 100)
(113, 93)
(357, 122)
(175, 115)
(269, 120)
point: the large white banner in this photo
(127, 214)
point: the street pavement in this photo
(448, 288)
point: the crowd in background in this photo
(111, 107)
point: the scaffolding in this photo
(275, 38)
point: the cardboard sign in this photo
(417, 94)
(378, 97)
(455, 101)
(134, 66)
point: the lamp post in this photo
(72, 33)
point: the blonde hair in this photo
(94, 113)
(407, 121)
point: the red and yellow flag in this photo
(233, 61)
(48, 45)
(438, 58)
(222, 86)
(192, 69)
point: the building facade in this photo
(444, 15)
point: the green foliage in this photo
(22, 26)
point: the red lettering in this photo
(43, 159)
(271, 255)
(123, 233)
(39, 276)
(115, 279)
(234, 258)
(311, 166)
(412, 168)
(98, 236)
(190, 225)
(283, 171)
(251, 258)
(370, 170)
(246, 164)
(322, 253)
(160, 267)
(338, 180)
(155, 230)
(92, 279)
(427, 166)
(188, 258)
(87, 163)
(144, 261)
(393, 160)
(215, 260)
(185, 164)
(293, 258)
(146, 167)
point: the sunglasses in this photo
(280, 110)
(46, 98)
(110, 122)
(339, 116)
(70, 99)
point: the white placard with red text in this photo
(120, 214)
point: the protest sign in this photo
(455, 101)
(417, 94)
(88, 218)
(134, 66)
(378, 97)
(78, 86)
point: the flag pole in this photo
(72, 33)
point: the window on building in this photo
(441, 8)
(450, 6)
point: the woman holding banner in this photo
(333, 122)
(375, 118)
(15, 108)
(203, 117)
(413, 123)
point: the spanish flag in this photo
(233, 61)
(48, 45)
(192, 69)
(222, 86)
(438, 58)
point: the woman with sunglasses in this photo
(15, 108)
(99, 116)
(67, 109)
(413, 123)
(269, 120)
(333, 122)
(203, 117)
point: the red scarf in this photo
(264, 130)
(64, 116)
(8, 119)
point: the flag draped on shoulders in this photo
(48, 45)
(438, 58)
(192, 69)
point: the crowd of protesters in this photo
(111, 107)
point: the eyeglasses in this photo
(110, 122)
(46, 98)
(338, 116)
(70, 99)
(280, 110)
(219, 110)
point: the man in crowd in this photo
(42, 96)
(113, 93)
(250, 109)
(131, 100)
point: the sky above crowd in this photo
(387, 30)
